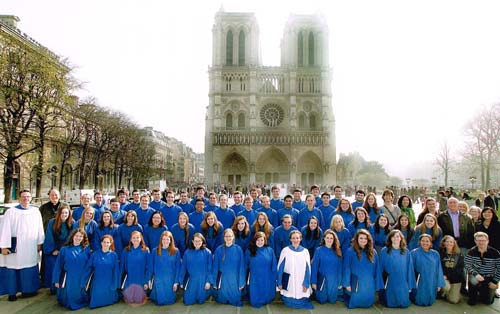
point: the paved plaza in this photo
(45, 303)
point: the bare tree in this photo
(444, 161)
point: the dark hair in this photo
(57, 225)
(495, 216)
(367, 206)
(400, 201)
(337, 187)
(85, 241)
(325, 194)
(243, 234)
(339, 209)
(388, 241)
(204, 242)
(355, 222)
(368, 249)
(360, 192)
(409, 229)
(162, 222)
(205, 227)
(314, 234)
(377, 226)
(101, 221)
(288, 196)
(252, 246)
(336, 242)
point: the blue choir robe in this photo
(213, 240)
(294, 213)
(373, 216)
(205, 200)
(210, 208)
(306, 214)
(164, 273)
(132, 206)
(277, 204)
(345, 238)
(334, 202)
(124, 205)
(326, 274)
(262, 272)
(51, 243)
(379, 238)
(152, 235)
(414, 242)
(118, 216)
(89, 227)
(188, 208)
(271, 214)
(256, 204)
(299, 205)
(171, 214)
(134, 267)
(428, 274)
(157, 205)
(143, 216)
(250, 215)
(225, 216)
(347, 217)
(297, 264)
(123, 236)
(99, 233)
(229, 273)
(319, 201)
(356, 204)
(77, 213)
(282, 239)
(182, 241)
(400, 277)
(237, 208)
(361, 225)
(98, 210)
(196, 271)
(103, 271)
(68, 274)
(327, 212)
(195, 218)
(310, 244)
(364, 278)
(242, 241)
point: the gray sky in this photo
(406, 74)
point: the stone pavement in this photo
(45, 303)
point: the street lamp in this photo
(408, 180)
(472, 181)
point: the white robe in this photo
(295, 265)
(27, 226)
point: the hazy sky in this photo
(406, 74)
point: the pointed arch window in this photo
(302, 121)
(300, 47)
(241, 48)
(312, 121)
(229, 48)
(229, 120)
(241, 121)
(311, 48)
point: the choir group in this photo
(319, 249)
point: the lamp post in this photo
(472, 181)
(408, 180)
(434, 179)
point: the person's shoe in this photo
(497, 295)
(12, 298)
(464, 291)
(471, 302)
(28, 294)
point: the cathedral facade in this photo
(270, 124)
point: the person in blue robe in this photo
(428, 272)
(212, 203)
(154, 229)
(238, 202)
(361, 275)
(134, 269)
(272, 215)
(56, 235)
(282, 234)
(343, 234)
(87, 223)
(371, 207)
(289, 210)
(157, 203)
(276, 202)
(255, 196)
(298, 203)
(249, 213)
(262, 224)
(67, 275)
(345, 210)
(242, 233)
(294, 274)
(164, 268)
(106, 226)
(183, 233)
(428, 226)
(125, 230)
(200, 195)
(184, 203)
(403, 224)
(326, 269)
(196, 272)
(381, 229)
(308, 212)
(144, 212)
(326, 210)
(397, 268)
(261, 266)
(136, 202)
(311, 235)
(85, 203)
(170, 211)
(101, 276)
(99, 206)
(362, 221)
(212, 230)
(224, 214)
(229, 271)
(196, 217)
(359, 199)
(117, 213)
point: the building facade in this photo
(270, 124)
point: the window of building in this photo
(302, 121)
(300, 47)
(229, 48)
(241, 48)
(241, 120)
(312, 121)
(229, 120)
(311, 48)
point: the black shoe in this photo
(28, 294)
(464, 292)
(471, 302)
(12, 298)
(497, 295)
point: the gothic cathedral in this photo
(270, 124)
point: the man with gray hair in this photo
(482, 263)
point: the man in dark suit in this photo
(491, 200)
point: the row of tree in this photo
(37, 107)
